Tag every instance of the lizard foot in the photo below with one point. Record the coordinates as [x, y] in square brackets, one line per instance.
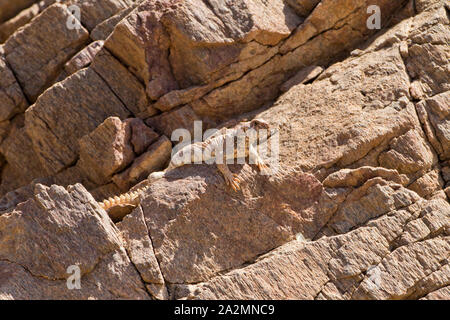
[263, 168]
[233, 181]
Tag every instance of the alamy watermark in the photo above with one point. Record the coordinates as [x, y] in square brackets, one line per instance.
[73, 21]
[374, 20]
[74, 280]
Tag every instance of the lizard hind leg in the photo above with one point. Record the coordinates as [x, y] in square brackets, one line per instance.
[230, 178]
[262, 167]
[156, 175]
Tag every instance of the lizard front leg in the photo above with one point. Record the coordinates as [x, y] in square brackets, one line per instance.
[253, 155]
[230, 178]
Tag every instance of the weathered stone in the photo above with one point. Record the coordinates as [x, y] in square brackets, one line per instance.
[434, 115]
[140, 249]
[408, 153]
[168, 122]
[373, 199]
[67, 112]
[304, 75]
[155, 158]
[126, 44]
[367, 261]
[5, 127]
[103, 30]
[411, 264]
[347, 116]
[362, 179]
[192, 245]
[45, 44]
[141, 135]
[22, 166]
[9, 9]
[81, 60]
[440, 294]
[303, 7]
[124, 84]
[55, 230]
[106, 150]
[95, 12]
[12, 99]
[357, 177]
[429, 54]
[428, 184]
[22, 18]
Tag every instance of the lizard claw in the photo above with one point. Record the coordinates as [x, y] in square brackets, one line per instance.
[263, 168]
[234, 182]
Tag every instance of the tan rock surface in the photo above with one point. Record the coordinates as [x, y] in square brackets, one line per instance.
[366, 263]
[11, 8]
[106, 150]
[155, 158]
[139, 247]
[80, 233]
[87, 101]
[357, 205]
[7, 28]
[12, 99]
[46, 44]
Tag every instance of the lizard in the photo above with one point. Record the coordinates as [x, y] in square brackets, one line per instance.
[213, 148]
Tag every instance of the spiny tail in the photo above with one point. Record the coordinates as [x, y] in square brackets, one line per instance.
[130, 198]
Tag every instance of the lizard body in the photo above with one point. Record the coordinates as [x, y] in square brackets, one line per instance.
[212, 150]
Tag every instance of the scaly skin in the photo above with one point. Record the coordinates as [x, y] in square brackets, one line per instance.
[211, 146]
[129, 198]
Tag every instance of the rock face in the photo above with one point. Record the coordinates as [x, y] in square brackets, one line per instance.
[357, 202]
[86, 238]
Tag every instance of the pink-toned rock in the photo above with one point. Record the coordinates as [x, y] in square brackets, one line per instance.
[357, 177]
[12, 99]
[428, 184]
[408, 153]
[45, 44]
[141, 135]
[140, 249]
[167, 123]
[65, 113]
[304, 75]
[81, 60]
[428, 56]
[362, 185]
[199, 227]
[123, 84]
[366, 263]
[434, 115]
[54, 230]
[9, 9]
[155, 158]
[106, 150]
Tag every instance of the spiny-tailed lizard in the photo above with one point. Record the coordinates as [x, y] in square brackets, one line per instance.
[206, 151]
